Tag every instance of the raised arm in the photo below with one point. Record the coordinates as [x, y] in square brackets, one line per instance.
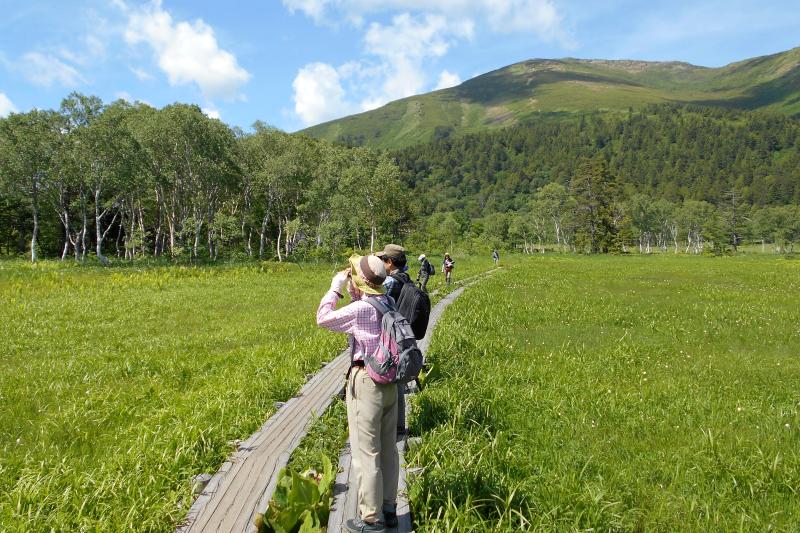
[340, 320]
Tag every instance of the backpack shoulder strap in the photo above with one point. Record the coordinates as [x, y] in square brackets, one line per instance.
[379, 306]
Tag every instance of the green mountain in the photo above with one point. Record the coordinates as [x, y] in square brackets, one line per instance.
[543, 89]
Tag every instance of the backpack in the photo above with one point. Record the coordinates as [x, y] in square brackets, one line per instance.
[397, 358]
[402, 279]
[429, 268]
[414, 304]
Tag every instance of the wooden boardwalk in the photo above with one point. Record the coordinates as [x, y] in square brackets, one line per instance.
[345, 492]
[244, 484]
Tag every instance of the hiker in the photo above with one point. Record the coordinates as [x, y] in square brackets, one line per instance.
[371, 407]
[495, 257]
[447, 267]
[412, 303]
[426, 270]
[394, 260]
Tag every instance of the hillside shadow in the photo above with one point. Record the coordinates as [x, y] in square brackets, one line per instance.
[784, 89]
[500, 87]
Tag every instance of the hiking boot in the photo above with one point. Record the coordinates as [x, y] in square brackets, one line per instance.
[390, 518]
[356, 525]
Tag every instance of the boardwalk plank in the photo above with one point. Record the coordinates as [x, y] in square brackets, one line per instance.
[244, 484]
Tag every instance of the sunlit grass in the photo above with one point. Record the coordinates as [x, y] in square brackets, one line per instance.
[615, 393]
[119, 385]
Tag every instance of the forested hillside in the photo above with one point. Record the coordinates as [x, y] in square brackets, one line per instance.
[669, 152]
[670, 173]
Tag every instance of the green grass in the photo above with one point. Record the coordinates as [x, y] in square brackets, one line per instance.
[122, 383]
[119, 385]
[632, 393]
[467, 265]
[568, 392]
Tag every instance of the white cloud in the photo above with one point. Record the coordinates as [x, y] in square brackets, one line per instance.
[313, 8]
[45, 70]
[447, 79]
[141, 74]
[187, 52]
[540, 17]
[6, 106]
[404, 46]
[123, 95]
[318, 93]
[211, 113]
[398, 53]
[95, 46]
[415, 37]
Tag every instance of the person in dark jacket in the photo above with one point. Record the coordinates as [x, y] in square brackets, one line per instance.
[425, 270]
[394, 259]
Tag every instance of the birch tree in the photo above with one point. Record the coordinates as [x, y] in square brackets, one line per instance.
[27, 145]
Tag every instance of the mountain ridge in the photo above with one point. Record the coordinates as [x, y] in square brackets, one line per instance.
[561, 88]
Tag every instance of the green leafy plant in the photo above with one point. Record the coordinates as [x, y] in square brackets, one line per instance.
[427, 375]
[301, 502]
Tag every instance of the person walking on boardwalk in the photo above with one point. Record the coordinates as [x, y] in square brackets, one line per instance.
[412, 303]
[371, 407]
[495, 257]
[447, 267]
[425, 272]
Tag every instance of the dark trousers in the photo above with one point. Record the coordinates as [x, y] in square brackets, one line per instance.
[423, 280]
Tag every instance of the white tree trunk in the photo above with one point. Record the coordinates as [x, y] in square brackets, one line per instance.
[278, 241]
[98, 226]
[35, 236]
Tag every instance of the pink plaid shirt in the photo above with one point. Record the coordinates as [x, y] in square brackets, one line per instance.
[358, 318]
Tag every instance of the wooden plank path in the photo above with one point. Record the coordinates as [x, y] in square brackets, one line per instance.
[244, 484]
[345, 491]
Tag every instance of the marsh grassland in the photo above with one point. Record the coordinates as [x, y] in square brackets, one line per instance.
[629, 393]
[120, 385]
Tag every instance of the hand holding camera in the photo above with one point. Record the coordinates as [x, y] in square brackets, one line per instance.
[340, 280]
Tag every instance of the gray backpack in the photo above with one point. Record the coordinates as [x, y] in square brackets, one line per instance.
[397, 359]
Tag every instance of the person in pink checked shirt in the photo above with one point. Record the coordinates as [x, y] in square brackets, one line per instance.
[371, 407]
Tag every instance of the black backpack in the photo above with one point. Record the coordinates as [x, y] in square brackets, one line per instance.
[414, 304]
[429, 268]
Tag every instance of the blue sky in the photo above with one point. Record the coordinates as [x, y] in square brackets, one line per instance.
[293, 63]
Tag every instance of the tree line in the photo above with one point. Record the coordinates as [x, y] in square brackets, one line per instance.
[688, 178]
[132, 181]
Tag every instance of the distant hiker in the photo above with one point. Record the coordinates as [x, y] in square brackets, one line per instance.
[412, 302]
[426, 270]
[447, 267]
[371, 407]
[495, 257]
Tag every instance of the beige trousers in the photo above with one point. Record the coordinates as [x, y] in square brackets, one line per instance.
[372, 422]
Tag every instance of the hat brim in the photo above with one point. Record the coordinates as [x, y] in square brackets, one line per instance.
[358, 278]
